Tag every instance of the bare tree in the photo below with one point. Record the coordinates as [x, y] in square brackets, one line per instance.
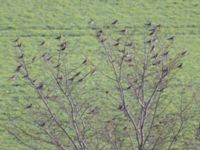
[58, 113]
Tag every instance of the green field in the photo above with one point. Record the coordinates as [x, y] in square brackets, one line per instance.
[37, 20]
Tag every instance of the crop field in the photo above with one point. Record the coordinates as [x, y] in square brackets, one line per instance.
[36, 20]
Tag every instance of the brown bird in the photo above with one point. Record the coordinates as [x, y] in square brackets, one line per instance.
[114, 22]
[29, 106]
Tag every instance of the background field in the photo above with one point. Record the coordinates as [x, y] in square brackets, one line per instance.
[36, 20]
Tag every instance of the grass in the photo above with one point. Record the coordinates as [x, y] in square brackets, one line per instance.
[35, 20]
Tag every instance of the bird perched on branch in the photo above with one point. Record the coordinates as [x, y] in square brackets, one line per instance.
[29, 106]
[58, 37]
[114, 22]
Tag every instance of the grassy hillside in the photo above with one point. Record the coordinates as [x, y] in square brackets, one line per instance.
[36, 20]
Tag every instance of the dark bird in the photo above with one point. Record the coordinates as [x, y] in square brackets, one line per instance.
[123, 31]
[25, 76]
[183, 53]
[84, 61]
[42, 43]
[77, 74]
[16, 40]
[154, 56]
[21, 56]
[103, 40]
[165, 53]
[129, 87]
[118, 39]
[156, 63]
[63, 47]
[48, 58]
[106, 92]
[180, 65]
[29, 106]
[39, 86]
[116, 44]
[121, 107]
[171, 38]
[18, 68]
[114, 22]
[58, 37]
[80, 80]
[63, 44]
[152, 48]
[129, 44]
[148, 24]
[59, 78]
[42, 124]
[44, 54]
[57, 66]
[13, 77]
[33, 59]
[18, 45]
[148, 41]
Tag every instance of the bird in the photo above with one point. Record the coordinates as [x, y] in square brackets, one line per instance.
[39, 86]
[116, 44]
[148, 24]
[16, 40]
[183, 53]
[18, 45]
[171, 38]
[33, 59]
[18, 68]
[42, 43]
[58, 37]
[148, 41]
[129, 44]
[21, 56]
[156, 63]
[42, 124]
[106, 92]
[114, 22]
[152, 48]
[180, 65]
[84, 61]
[154, 56]
[165, 53]
[77, 74]
[123, 31]
[57, 66]
[29, 106]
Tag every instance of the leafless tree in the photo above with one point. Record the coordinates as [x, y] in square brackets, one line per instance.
[59, 113]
